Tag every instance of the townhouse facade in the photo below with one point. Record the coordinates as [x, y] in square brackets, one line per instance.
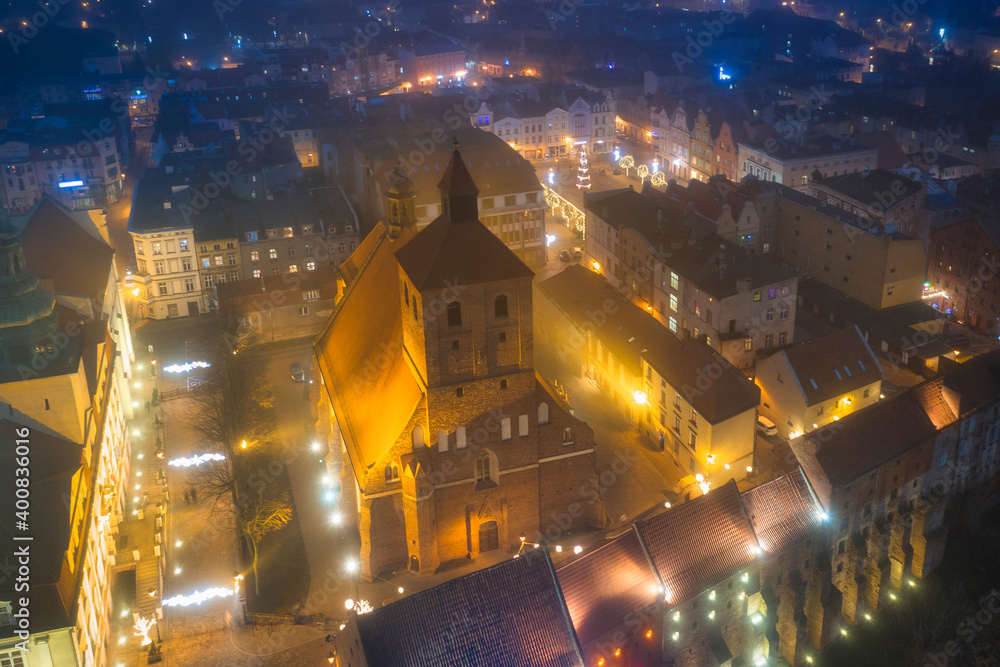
[652, 375]
[792, 164]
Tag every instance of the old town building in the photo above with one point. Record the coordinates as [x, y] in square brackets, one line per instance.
[474, 448]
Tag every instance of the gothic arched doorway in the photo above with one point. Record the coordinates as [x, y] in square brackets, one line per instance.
[489, 536]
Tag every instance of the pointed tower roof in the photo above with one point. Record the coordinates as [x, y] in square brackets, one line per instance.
[457, 248]
[457, 181]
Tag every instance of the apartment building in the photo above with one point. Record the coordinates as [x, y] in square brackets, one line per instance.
[888, 199]
[161, 223]
[840, 249]
[77, 167]
[742, 306]
[659, 380]
[819, 381]
[792, 164]
[433, 64]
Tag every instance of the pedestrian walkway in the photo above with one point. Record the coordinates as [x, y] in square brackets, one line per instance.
[634, 475]
[141, 536]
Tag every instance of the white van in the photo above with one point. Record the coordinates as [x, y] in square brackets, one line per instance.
[766, 426]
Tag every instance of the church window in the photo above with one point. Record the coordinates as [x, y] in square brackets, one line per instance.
[522, 426]
[391, 473]
[460, 392]
[505, 428]
[454, 314]
[442, 441]
[503, 384]
[460, 441]
[543, 413]
[418, 437]
[486, 467]
[500, 306]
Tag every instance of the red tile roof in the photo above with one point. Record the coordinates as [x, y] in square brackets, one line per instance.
[606, 585]
[699, 543]
[782, 512]
[508, 615]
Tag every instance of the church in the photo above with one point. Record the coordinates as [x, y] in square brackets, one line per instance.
[451, 444]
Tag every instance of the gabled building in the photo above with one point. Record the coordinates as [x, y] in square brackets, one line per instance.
[819, 381]
[679, 392]
[451, 445]
[65, 367]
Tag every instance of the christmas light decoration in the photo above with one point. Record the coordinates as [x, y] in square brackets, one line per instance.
[142, 628]
[187, 368]
[583, 172]
[195, 460]
[197, 597]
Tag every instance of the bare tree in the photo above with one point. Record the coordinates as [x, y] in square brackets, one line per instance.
[257, 515]
[235, 416]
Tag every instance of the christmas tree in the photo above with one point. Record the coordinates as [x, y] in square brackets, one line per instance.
[583, 172]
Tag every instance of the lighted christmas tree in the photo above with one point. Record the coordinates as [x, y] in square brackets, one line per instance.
[583, 172]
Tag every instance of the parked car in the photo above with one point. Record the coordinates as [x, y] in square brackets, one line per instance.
[564, 255]
[578, 253]
[766, 426]
[298, 375]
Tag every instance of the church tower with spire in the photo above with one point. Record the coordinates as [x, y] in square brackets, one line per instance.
[401, 206]
[456, 445]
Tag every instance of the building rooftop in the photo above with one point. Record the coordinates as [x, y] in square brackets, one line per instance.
[833, 365]
[509, 614]
[54, 464]
[605, 585]
[871, 186]
[816, 147]
[697, 544]
[78, 264]
[633, 335]
[494, 166]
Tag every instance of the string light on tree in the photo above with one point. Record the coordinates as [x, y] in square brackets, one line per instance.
[626, 163]
[658, 179]
[583, 172]
[642, 172]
